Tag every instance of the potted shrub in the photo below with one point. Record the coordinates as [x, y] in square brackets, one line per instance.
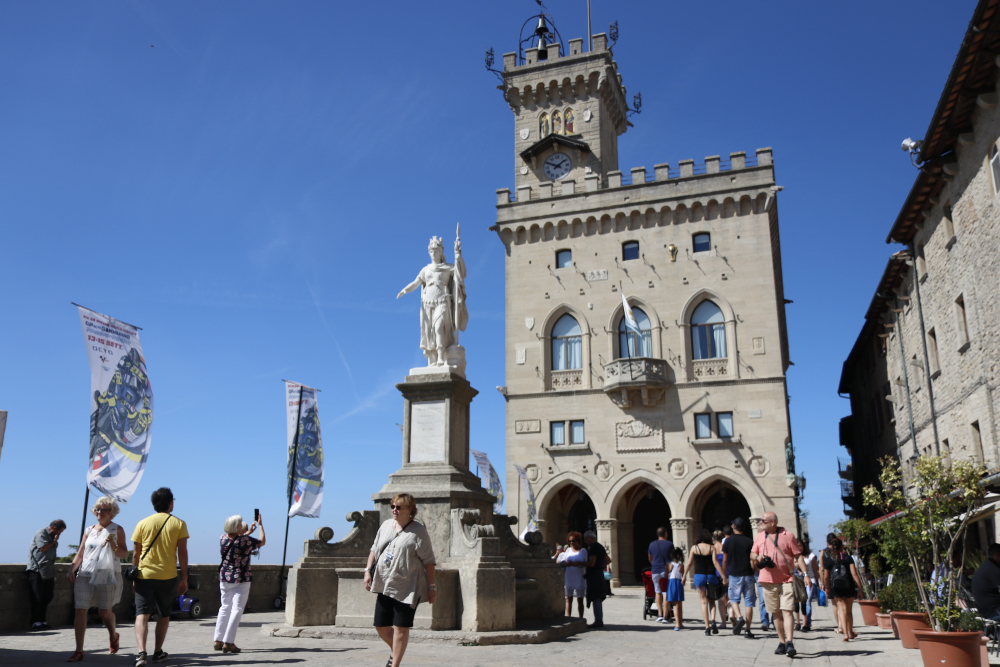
[901, 597]
[853, 532]
[932, 514]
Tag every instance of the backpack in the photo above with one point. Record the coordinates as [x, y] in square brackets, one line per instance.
[840, 576]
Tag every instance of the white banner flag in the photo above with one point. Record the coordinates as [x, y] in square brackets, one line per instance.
[531, 525]
[121, 405]
[486, 469]
[305, 451]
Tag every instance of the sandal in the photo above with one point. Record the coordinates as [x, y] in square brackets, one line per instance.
[231, 648]
[114, 643]
[76, 657]
[217, 646]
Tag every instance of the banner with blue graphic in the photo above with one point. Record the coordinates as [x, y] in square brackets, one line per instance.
[121, 405]
[488, 472]
[305, 451]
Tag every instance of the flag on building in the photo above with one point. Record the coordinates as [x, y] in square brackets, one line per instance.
[630, 321]
[486, 470]
[531, 525]
[305, 451]
[121, 405]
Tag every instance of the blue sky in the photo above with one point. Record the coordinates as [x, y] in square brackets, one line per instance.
[252, 183]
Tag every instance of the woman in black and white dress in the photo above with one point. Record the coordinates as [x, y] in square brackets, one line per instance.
[94, 586]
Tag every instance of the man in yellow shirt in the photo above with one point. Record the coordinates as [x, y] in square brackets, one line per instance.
[160, 548]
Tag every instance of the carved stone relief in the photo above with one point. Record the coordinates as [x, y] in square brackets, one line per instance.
[528, 426]
[678, 468]
[604, 471]
[758, 345]
[759, 466]
[534, 474]
[639, 435]
[520, 355]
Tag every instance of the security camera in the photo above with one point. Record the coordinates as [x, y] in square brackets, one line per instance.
[909, 145]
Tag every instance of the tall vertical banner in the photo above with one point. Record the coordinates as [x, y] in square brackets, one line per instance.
[486, 468]
[121, 405]
[531, 525]
[305, 451]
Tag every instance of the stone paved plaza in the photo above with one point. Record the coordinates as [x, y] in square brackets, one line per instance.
[627, 640]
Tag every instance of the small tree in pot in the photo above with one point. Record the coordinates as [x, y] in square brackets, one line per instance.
[930, 520]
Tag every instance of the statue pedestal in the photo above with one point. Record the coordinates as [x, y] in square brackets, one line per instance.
[455, 356]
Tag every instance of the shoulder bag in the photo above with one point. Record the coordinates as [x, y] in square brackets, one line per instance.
[385, 546]
[798, 586]
[131, 573]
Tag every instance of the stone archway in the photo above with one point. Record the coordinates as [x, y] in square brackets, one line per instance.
[651, 512]
[569, 508]
[718, 504]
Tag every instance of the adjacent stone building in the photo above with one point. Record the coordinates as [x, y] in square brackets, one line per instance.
[935, 318]
[685, 422]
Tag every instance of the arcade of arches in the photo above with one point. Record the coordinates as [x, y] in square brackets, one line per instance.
[639, 512]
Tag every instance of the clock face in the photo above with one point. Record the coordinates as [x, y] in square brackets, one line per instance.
[557, 165]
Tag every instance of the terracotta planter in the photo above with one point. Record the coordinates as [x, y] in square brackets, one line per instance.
[984, 651]
[884, 621]
[906, 623]
[950, 649]
[869, 608]
[895, 629]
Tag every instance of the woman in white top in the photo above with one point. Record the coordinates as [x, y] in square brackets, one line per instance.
[574, 559]
[97, 581]
[401, 571]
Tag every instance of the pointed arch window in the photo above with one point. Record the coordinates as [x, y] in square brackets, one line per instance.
[632, 344]
[543, 126]
[569, 117]
[556, 122]
[708, 332]
[567, 344]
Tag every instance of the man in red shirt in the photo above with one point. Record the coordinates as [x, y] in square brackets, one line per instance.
[773, 554]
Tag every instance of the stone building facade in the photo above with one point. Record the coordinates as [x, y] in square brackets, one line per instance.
[937, 309]
[684, 423]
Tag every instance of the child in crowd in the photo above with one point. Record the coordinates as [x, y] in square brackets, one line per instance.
[675, 586]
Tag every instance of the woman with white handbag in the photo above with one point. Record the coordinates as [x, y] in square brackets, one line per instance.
[96, 573]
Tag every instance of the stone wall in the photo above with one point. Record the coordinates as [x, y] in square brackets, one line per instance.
[15, 604]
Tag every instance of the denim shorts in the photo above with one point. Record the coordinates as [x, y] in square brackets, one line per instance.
[743, 586]
[703, 580]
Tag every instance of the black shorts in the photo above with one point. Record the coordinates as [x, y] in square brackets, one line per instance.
[393, 612]
[155, 596]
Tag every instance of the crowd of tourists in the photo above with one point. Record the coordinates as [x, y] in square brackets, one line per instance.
[733, 574]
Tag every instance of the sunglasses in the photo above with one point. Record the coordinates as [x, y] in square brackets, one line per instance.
[399, 507]
[101, 510]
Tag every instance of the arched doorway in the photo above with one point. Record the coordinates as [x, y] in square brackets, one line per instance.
[651, 512]
[720, 504]
[568, 510]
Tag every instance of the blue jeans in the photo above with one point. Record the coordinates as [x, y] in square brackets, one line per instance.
[598, 606]
[765, 620]
[812, 593]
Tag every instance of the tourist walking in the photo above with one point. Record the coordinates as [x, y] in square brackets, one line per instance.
[96, 573]
[774, 552]
[675, 586]
[400, 571]
[742, 583]
[159, 549]
[574, 560]
[718, 538]
[707, 572]
[235, 547]
[42, 571]
[811, 582]
[841, 582]
[659, 555]
[597, 560]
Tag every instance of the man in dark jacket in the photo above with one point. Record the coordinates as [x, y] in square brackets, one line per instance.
[42, 571]
[986, 584]
[597, 560]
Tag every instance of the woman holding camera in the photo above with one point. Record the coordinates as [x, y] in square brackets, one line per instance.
[234, 579]
[400, 571]
[97, 582]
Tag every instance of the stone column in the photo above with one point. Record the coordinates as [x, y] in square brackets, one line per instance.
[607, 534]
[681, 527]
[624, 566]
[754, 527]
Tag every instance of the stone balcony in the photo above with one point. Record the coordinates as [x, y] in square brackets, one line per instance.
[705, 370]
[640, 378]
[567, 380]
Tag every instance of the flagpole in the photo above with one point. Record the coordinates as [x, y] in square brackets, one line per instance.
[282, 577]
[83, 524]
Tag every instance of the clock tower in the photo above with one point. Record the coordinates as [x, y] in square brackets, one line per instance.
[646, 346]
[569, 110]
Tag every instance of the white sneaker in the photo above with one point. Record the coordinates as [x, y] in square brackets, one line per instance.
[660, 619]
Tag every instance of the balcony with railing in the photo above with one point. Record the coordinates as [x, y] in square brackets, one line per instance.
[640, 378]
[846, 490]
[567, 380]
[846, 468]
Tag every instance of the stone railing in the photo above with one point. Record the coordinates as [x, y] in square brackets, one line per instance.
[641, 378]
[710, 369]
[563, 380]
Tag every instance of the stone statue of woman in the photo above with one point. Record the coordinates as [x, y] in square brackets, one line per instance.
[443, 311]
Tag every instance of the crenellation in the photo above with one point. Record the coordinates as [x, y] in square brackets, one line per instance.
[638, 175]
[600, 42]
[712, 164]
[687, 168]
[576, 46]
[764, 157]
[615, 179]
[738, 160]
[662, 171]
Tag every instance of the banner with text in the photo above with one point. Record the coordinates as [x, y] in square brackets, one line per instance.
[531, 525]
[305, 451]
[121, 405]
[486, 469]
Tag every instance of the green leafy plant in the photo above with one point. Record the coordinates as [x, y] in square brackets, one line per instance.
[932, 511]
[900, 595]
[969, 622]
